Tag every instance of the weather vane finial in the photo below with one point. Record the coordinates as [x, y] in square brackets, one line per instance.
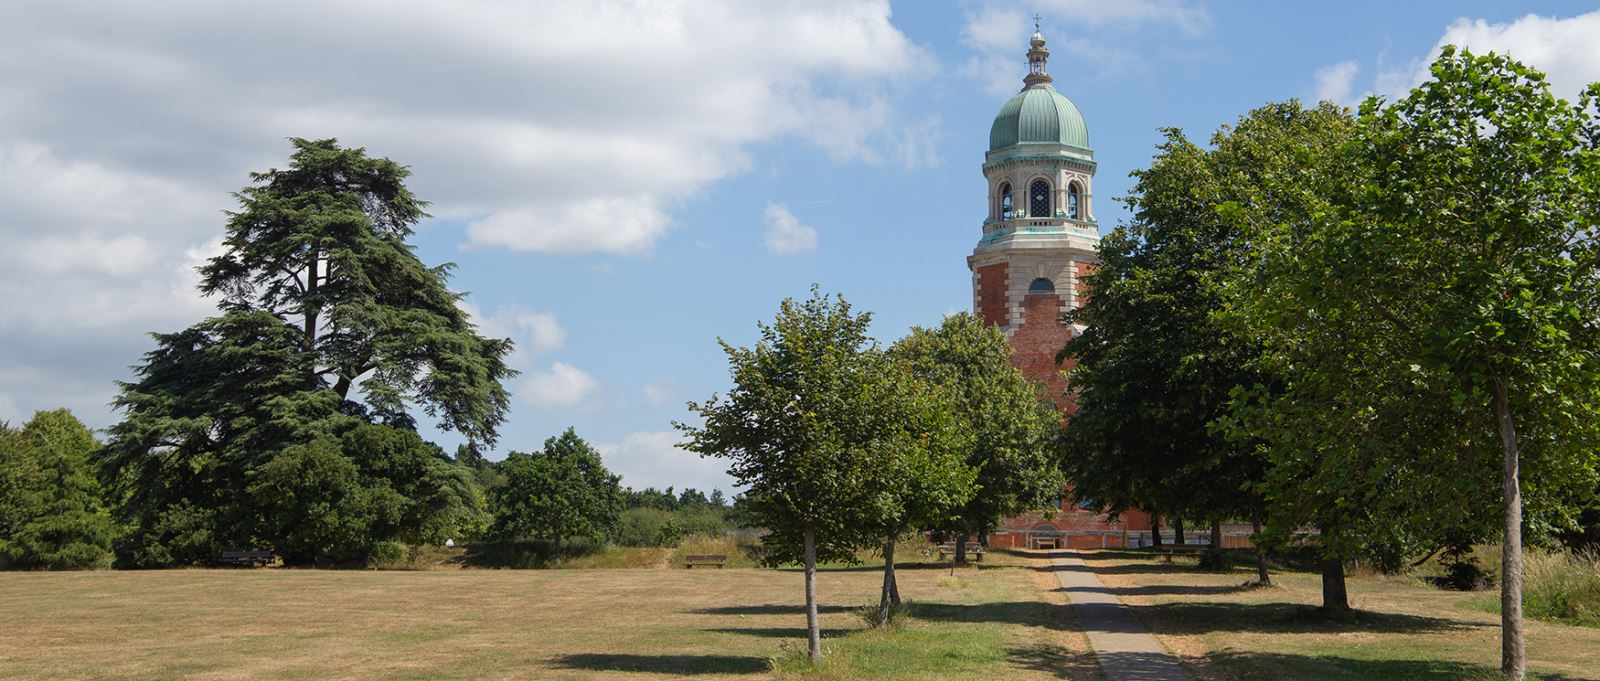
[1036, 22]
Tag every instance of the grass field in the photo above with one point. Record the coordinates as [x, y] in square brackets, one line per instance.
[1404, 632]
[542, 624]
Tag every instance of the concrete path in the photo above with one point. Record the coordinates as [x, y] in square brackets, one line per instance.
[1127, 651]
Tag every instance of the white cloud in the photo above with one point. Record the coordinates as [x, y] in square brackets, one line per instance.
[621, 226]
[998, 32]
[1334, 82]
[786, 234]
[1566, 50]
[553, 127]
[656, 394]
[652, 459]
[533, 332]
[563, 385]
[556, 127]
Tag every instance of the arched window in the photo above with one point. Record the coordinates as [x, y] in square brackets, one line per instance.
[1072, 202]
[1042, 285]
[1039, 199]
[1005, 201]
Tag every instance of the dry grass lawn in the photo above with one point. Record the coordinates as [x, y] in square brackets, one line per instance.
[541, 624]
[1405, 631]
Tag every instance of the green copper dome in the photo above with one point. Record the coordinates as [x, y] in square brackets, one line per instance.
[1038, 114]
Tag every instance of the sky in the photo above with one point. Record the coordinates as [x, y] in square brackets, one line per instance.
[621, 184]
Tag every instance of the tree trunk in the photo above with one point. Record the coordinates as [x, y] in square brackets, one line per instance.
[1334, 596]
[961, 547]
[310, 308]
[1513, 661]
[1262, 577]
[1216, 535]
[1177, 531]
[557, 555]
[813, 635]
[891, 590]
[1155, 530]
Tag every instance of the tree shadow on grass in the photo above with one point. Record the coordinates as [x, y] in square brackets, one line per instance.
[1336, 668]
[1029, 613]
[873, 567]
[1131, 569]
[1054, 660]
[692, 665]
[770, 609]
[1288, 618]
[778, 632]
[1176, 590]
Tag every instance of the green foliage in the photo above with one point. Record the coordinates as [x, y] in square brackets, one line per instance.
[1007, 425]
[324, 241]
[560, 493]
[1563, 587]
[319, 293]
[648, 527]
[1459, 231]
[800, 430]
[52, 514]
[386, 554]
[313, 504]
[1162, 354]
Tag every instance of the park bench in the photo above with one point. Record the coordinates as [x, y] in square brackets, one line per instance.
[1185, 549]
[248, 558]
[949, 549]
[704, 560]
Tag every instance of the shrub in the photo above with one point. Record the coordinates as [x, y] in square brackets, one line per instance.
[647, 527]
[1215, 560]
[315, 508]
[1462, 571]
[386, 554]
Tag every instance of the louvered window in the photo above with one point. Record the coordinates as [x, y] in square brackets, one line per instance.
[1039, 199]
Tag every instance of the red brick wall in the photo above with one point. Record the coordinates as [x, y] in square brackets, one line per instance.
[1036, 342]
[992, 293]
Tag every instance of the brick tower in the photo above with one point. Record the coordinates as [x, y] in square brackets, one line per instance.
[1039, 240]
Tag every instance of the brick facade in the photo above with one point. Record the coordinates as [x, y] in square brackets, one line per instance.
[1035, 343]
[989, 292]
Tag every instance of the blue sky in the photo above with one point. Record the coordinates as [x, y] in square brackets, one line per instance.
[622, 184]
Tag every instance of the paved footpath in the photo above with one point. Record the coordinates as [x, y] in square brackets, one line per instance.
[1127, 651]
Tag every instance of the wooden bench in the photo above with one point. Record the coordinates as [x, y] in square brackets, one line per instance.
[704, 560]
[974, 550]
[246, 558]
[1185, 549]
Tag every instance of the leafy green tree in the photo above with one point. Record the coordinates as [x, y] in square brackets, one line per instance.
[323, 242]
[557, 494]
[315, 507]
[795, 428]
[1161, 356]
[328, 321]
[922, 481]
[1461, 249]
[1011, 426]
[441, 500]
[52, 514]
